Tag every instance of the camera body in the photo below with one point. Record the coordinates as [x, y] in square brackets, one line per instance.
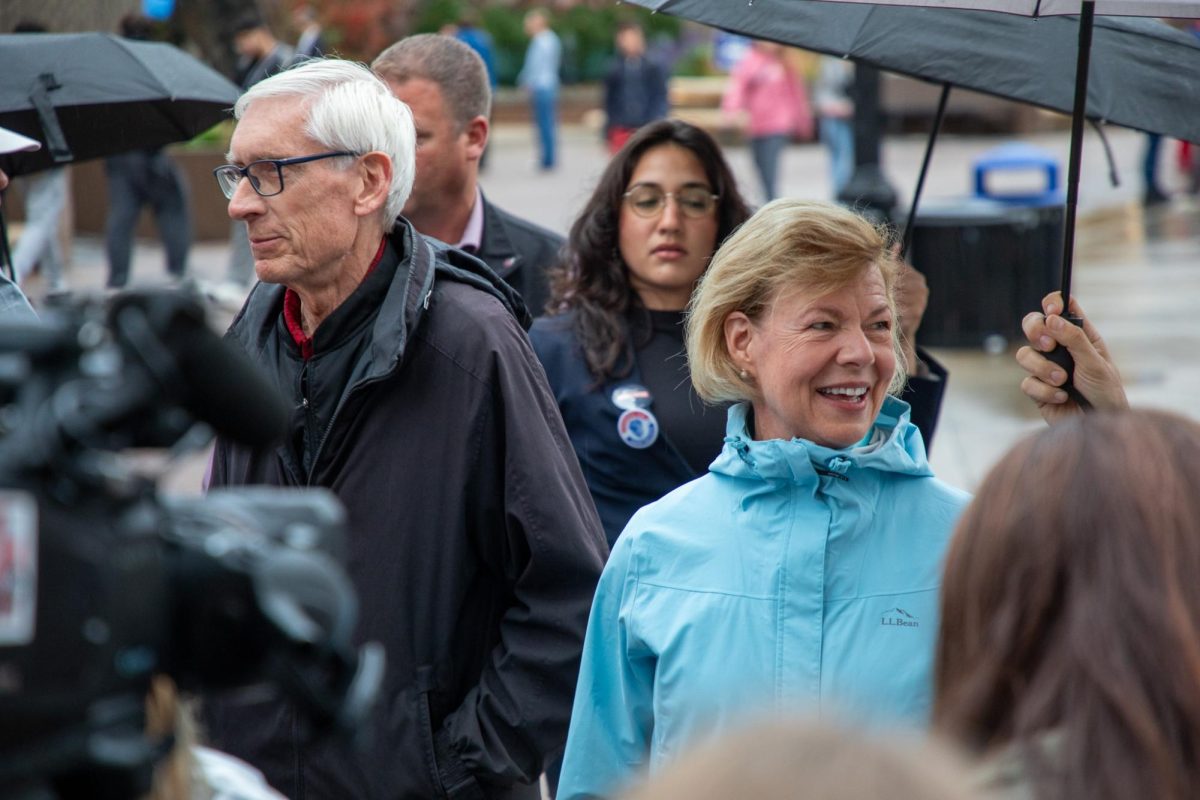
[105, 583]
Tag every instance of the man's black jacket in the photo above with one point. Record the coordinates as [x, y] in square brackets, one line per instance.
[520, 253]
[473, 542]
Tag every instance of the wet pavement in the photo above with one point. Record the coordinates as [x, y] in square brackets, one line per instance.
[1137, 272]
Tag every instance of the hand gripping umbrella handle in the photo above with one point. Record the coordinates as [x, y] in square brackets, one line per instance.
[1062, 358]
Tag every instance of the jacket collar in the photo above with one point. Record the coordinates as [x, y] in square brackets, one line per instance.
[402, 306]
[495, 247]
[895, 447]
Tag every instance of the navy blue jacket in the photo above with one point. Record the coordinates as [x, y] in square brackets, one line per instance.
[635, 93]
[621, 478]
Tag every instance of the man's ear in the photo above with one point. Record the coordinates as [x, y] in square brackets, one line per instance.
[375, 169]
[476, 132]
[739, 341]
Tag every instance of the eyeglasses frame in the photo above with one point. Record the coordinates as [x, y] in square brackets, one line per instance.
[716, 198]
[280, 163]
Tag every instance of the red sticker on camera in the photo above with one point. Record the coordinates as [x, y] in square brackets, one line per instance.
[18, 567]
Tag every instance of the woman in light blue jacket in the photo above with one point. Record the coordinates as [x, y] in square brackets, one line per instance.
[801, 573]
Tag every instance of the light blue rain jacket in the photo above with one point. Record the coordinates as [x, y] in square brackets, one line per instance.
[792, 577]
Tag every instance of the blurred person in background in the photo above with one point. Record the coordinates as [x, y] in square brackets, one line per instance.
[635, 87]
[792, 760]
[768, 100]
[311, 40]
[143, 178]
[1069, 654]
[40, 245]
[445, 84]
[13, 303]
[835, 117]
[801, 572]
[468, 30]
[539, 77]
[260, 55]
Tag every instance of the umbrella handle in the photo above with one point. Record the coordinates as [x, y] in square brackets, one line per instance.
[1062, 358]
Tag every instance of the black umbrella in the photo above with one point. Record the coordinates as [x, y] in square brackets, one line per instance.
[1145, 74]
[87, 95]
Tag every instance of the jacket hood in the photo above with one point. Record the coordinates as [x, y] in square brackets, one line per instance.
[422, 261]
[893, 445]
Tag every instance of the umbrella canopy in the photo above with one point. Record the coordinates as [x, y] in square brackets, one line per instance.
[1144, 74]
[1047, 8]
[87, 95]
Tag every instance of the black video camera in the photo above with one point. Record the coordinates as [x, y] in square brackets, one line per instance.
[104, 583]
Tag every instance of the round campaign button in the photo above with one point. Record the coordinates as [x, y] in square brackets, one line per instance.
[631, 395]
[637, 428]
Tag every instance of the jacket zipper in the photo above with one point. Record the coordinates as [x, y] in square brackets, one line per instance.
[333, 419]
[426, 251]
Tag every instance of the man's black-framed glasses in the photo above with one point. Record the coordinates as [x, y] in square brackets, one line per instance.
[266, 176]
[648, 200]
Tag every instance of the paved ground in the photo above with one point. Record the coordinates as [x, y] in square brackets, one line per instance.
[1137, 274]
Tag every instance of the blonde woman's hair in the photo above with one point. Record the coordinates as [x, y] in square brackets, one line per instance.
[788, 245]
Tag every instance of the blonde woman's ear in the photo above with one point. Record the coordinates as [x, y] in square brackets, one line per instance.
[739, 332]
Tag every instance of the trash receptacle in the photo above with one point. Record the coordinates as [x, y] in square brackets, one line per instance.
[990, 259]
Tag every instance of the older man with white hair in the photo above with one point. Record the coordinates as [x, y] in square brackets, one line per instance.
[473, 542]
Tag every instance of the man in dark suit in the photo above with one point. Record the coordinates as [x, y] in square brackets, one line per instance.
[445, 83]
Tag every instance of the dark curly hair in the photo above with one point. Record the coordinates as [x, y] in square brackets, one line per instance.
[593, 280]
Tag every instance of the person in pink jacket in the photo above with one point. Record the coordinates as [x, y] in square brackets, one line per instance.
[767, 96]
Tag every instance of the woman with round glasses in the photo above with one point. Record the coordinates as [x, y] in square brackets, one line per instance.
[613, 344]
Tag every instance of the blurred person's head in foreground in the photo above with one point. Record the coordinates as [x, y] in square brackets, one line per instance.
[799, 761]
[190, 771]
[665, 202]
[1070, 639]
[796, 316]
[328, 153]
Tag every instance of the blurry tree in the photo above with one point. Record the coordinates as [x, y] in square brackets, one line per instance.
[361, 29]
[586, 30]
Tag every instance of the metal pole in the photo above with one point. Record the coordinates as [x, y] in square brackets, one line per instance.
[6, 263]
[910, 225]
[1086, 21]
[868, 190]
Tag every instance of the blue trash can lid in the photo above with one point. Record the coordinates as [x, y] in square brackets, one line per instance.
[1015, 154]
